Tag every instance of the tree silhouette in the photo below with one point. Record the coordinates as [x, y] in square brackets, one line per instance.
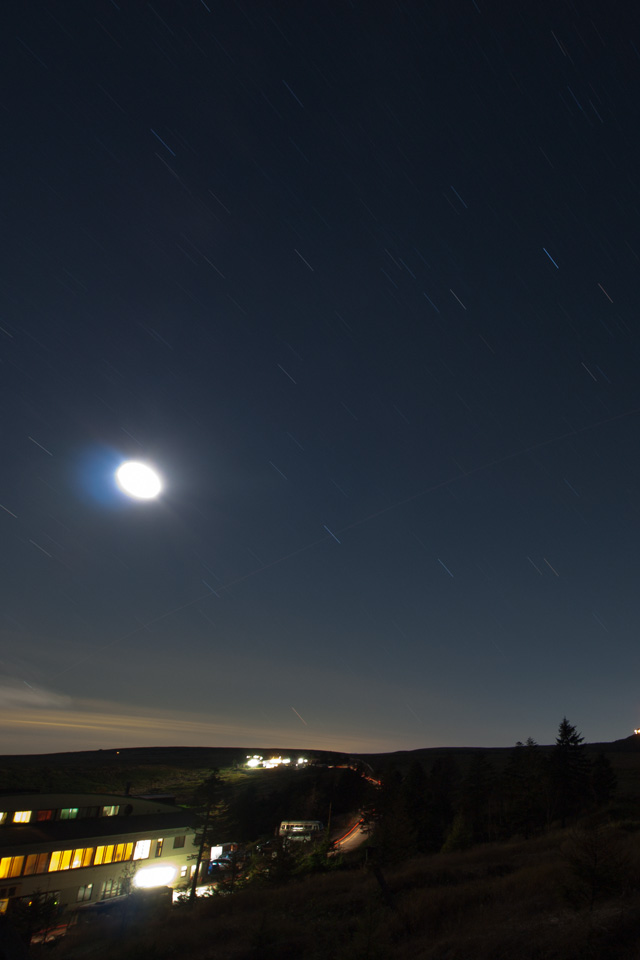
[524, 791]
[212, 817]
[443, 788]
[415, 802]
[599, 863]
[387, 819]
[568, 773]
[477, 798]
[603, 780]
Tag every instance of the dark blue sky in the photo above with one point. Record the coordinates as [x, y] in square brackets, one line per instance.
[361, 280]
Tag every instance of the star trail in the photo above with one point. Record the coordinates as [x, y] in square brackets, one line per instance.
[359, 281]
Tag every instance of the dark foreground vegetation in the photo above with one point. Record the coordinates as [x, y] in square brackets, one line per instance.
[532, 856]
[568, 895]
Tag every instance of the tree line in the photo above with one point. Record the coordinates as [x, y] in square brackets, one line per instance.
[444, 809]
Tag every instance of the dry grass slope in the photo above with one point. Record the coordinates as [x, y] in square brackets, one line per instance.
[564, 896]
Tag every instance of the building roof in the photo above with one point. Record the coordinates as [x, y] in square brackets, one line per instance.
[55, 801]
[146, 818]
[93, 829]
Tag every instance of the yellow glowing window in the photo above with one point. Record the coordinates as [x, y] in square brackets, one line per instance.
[111, 811]
[104, 854]
[142, 850]
[22, 816]
[81, 857]
[60, 860]
[3, 906]
[3, 816]
[11, 866]
[123, 851]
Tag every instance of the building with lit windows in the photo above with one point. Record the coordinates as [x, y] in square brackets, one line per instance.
[85, 849]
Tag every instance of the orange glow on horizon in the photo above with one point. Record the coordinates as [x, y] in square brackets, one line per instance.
[92, 725]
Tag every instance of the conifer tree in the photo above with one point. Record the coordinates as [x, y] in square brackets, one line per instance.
[414, 798]
[603, 780]
[442, 795]
[212, 817]
[568, 773]
[388, 820]
[477, 795]
[524, 790]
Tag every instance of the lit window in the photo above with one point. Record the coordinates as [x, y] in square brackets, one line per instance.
[69, 813]
[183, 871]
[11, 866]
[159, 846]
[110, 811]
[178, 842]
[44, 815]
[84, 893]
[81, 857]
[123, 851]
[22, 816]
[60, 860]
[142, 850]
[3, 816]
[104, 855]
[3, 906]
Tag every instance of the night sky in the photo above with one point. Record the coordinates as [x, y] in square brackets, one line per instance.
[360, 279]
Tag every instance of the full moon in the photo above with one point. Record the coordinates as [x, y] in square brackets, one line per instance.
[138, 480]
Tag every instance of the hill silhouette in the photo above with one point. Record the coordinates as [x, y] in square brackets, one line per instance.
[140, 769]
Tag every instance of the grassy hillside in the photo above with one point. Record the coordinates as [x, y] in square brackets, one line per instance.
[174, 770]
[569, 895]
[177, 770]
[559, 895]
[255, 801]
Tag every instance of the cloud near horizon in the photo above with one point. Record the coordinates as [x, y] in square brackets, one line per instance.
[19, 695]
[47, 723]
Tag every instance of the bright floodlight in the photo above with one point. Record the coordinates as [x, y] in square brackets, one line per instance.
[138, 480]
[154, 877]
